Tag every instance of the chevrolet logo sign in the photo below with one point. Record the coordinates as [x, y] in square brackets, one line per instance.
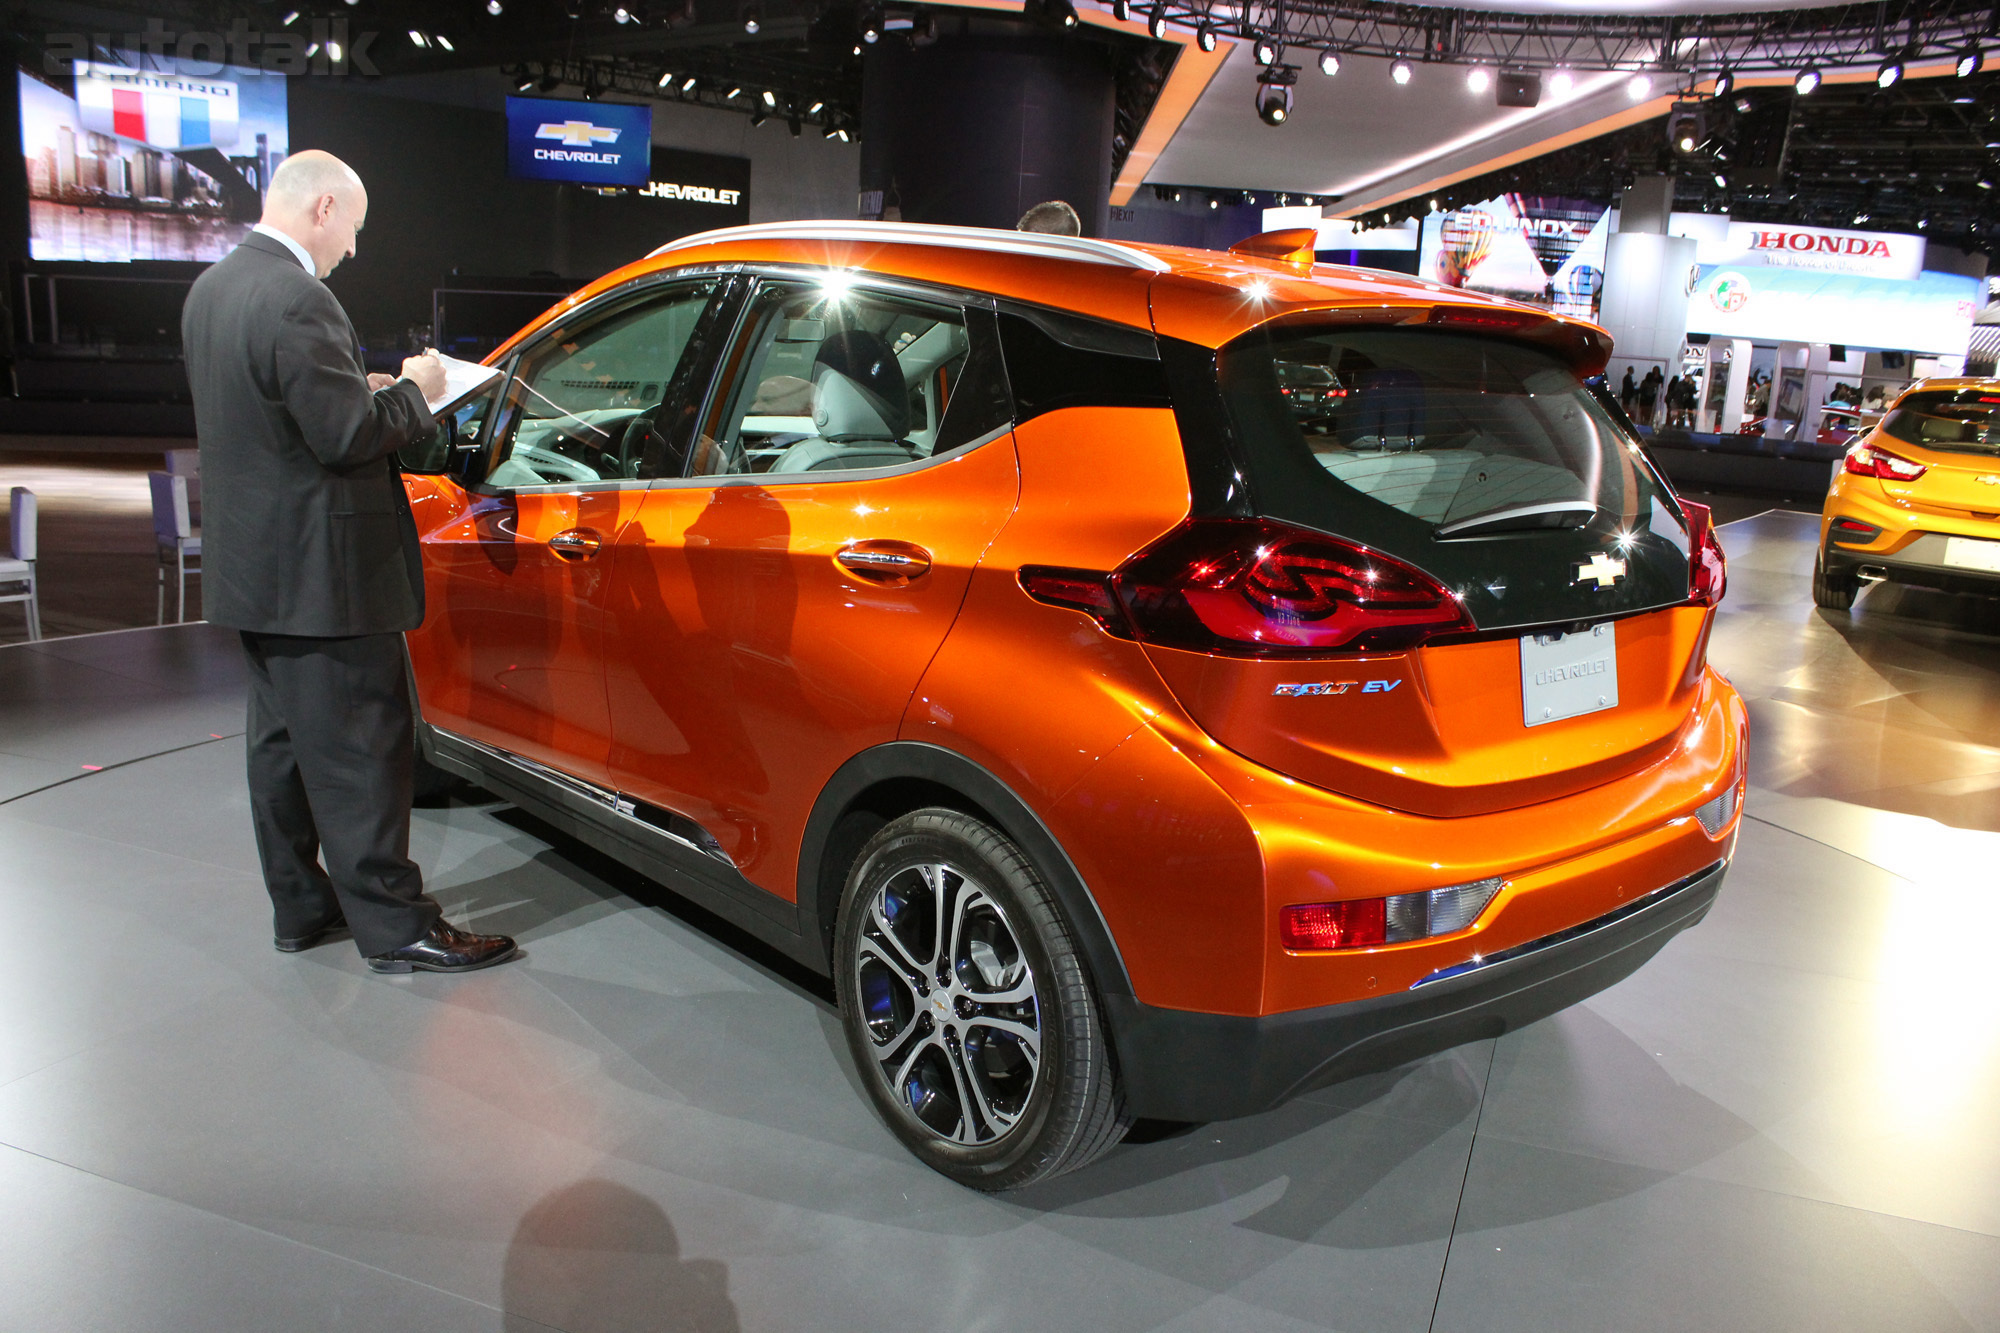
[1602, 568]
[578, 133]
[1990, 480]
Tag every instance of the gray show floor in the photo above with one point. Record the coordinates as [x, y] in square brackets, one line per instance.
[1784, 1121]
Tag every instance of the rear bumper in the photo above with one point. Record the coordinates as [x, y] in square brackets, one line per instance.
[1180, 1065]
[1921, 562]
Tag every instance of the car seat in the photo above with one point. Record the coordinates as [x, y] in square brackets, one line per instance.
[861, 408]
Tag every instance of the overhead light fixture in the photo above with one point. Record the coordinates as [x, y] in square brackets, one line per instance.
[815, 108]
[524, 80]
[1684, 127]
[1985, 182]
[871, 28]
[753, 22]
[1969, 63]
[622, 14]
[1274, 94]
[1807, 81]
[1400, 71]
[758, 117]
[690, 83]
[842, 135]
[1156, 23]
[1063, 12]
[1213, 202]
[735, 90]
[333, 51]
[770, 98]
[1889, 74]
[1329, 62]
[445, 42]
[1725, 83]
[1479, 78]
[1860, 218]
[1265, 50]
[494, 7]
[1561, 84]
[290, 18]
[1721, 181]
[1743, 106]
[666, 78]
[1639, 87]
[417, 39]
[1204, 36]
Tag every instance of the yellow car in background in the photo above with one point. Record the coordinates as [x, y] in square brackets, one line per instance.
[1917, 499]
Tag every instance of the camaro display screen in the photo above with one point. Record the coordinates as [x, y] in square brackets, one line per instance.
[148, 157]
[588, 143]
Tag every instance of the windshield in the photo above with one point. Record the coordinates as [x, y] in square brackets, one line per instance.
[1485, 462]
[1958, 421]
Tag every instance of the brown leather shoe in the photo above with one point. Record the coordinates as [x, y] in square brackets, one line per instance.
[445, 948]
[300, 943]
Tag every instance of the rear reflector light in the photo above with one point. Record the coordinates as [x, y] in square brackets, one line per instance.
[1486, 317]
[1866, 460]
[1358, 923]
[1708, 572]
[1854, 530]
[1716, 814]
[1257, 588]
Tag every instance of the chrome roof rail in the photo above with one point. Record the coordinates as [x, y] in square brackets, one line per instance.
[1040, 245]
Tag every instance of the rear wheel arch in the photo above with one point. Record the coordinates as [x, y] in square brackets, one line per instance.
[891, 780]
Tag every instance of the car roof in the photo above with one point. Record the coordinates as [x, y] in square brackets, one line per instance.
[1206, 297]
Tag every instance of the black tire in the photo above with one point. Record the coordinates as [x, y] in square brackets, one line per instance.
[994, 1093]
[1833, 589]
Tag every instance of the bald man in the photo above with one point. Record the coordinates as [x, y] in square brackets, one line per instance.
[310, 553]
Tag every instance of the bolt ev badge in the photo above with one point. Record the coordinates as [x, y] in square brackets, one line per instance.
[1336, 687]
[1601, 567]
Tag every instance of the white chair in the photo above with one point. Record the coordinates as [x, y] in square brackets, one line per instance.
[175, 538]
[17, 575]
[184, 462]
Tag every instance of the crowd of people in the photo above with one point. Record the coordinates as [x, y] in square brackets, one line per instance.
[1661, 400]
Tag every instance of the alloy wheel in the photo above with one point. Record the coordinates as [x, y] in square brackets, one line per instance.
[948, 1001]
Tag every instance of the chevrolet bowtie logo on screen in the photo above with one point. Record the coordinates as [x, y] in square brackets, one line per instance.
[589, 143]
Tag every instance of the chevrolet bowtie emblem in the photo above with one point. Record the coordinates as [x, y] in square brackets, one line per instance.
[1991, 481]
[578, 133]
[1602, 568]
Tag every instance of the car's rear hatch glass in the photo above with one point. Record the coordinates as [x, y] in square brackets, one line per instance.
[1487, 464]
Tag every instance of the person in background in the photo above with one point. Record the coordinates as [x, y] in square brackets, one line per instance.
[1649, 396]
[1053, 217]
[311, 555]
[1672, 402]
[1628, 396]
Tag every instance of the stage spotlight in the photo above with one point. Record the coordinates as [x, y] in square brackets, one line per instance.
[494, 7]
[735, 91]
[1156, 23]
[1329, 62]
[815, 108]
[1064, 14]
[666, 77]
[622, 14]
[1400, 71]
[1639, 87]
[871, 27]
[770, 98]
[1807, 81]
[753, 22]
[1274, 94]
[1969, 63]
[1684, 128]
[1479, 78]
[690, 83]
[290, 18]
[1890, 74]
[1985, 182]
[758, 117]
[1213, 202]
[524, 80]
[1725, 81]
[445, 42]
[1204, 36]
[1561, 84]
[1265, 50]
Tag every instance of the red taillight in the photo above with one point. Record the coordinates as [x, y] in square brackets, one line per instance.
[1708, 572]
[1085, 590]
[1866, 460]
[1265, 589]
[1487, 317]
[1354, 924]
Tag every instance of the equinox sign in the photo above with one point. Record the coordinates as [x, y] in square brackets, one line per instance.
[578, 133]
[1601, 567]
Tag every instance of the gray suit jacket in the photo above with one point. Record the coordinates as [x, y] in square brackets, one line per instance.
[305, 525]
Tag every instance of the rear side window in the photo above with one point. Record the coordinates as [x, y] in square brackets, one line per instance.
[1955, 420]
[1485, 462]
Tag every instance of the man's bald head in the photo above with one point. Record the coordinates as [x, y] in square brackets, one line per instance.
[318, 201]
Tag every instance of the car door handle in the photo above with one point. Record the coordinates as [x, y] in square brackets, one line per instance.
[576, 544]
[893, 564]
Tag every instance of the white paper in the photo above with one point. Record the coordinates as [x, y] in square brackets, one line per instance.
[462, 379]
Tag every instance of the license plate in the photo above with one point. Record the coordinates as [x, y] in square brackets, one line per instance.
[1972, 553]
[1568, 675]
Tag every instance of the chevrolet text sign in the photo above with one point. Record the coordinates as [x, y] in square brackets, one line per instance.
[693, 192]
[589, 143]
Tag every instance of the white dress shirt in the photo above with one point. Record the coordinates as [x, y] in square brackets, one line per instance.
[290, 244]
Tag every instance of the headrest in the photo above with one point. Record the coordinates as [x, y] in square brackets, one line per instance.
[858, 389]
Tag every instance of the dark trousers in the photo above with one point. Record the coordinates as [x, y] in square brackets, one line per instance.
[330, 744]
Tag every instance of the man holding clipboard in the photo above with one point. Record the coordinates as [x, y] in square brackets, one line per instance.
[310, 552]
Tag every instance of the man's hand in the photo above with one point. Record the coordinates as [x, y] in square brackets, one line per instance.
[426, 372]
[378, 382]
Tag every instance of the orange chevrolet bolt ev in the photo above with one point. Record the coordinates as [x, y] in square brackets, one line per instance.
[1150, 682]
